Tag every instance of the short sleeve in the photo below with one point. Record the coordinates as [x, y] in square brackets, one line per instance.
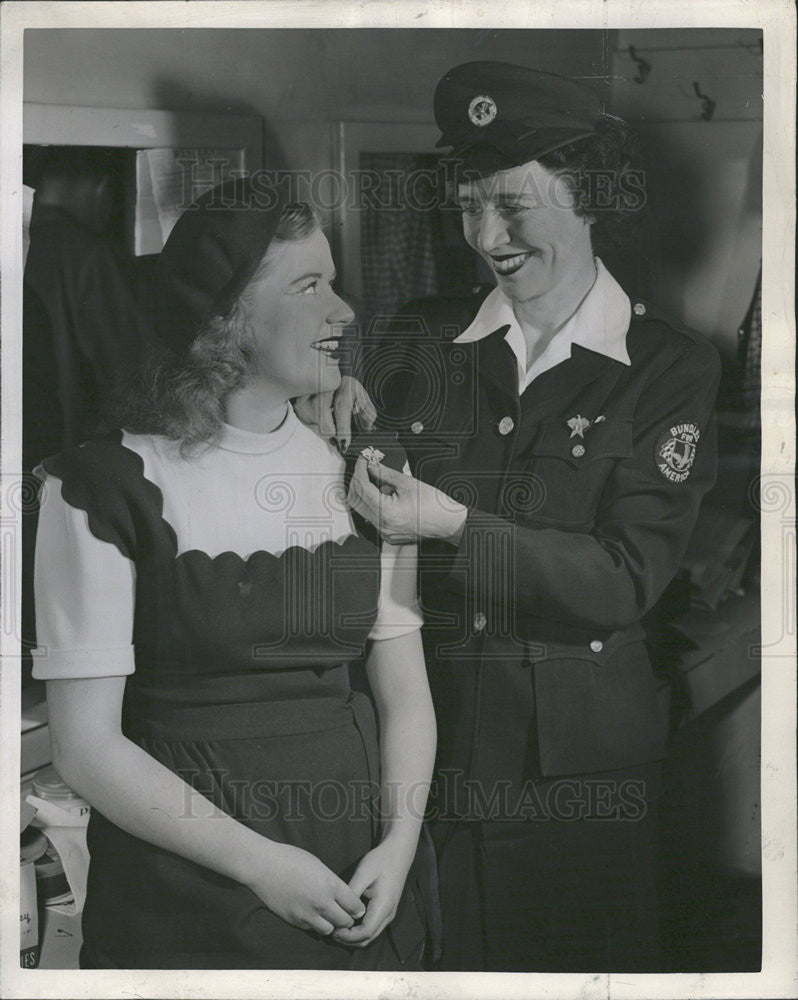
[84, 596]
[398, 610]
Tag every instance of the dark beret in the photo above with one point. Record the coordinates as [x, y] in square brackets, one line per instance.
[497, 115]
[211, 254]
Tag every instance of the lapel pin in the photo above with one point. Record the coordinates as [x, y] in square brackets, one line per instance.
[578, 425]
[373, 456]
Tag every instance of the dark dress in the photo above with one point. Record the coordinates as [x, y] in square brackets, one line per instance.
[241, 687]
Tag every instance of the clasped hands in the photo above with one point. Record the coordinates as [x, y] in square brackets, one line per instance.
[301, 889]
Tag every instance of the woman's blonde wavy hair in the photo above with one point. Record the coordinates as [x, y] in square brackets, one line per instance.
[184, 398]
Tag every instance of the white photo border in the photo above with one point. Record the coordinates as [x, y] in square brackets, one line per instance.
[777, 19]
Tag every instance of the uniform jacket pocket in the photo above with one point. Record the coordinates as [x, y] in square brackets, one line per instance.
[572, 467]
[597, 708]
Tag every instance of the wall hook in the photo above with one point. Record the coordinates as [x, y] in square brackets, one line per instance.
[707, 104]
[643, 67]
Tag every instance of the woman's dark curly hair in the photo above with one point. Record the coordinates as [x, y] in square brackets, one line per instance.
[606, 178]
[184, 398]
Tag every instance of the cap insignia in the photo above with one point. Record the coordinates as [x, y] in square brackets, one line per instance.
[482, 110]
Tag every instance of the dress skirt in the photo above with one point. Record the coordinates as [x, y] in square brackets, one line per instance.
[303, 772]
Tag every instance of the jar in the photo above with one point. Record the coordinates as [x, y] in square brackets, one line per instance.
[48, 785]
[32, 846]
[52, 886]
[51, 880]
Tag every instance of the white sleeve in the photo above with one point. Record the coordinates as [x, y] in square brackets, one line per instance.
[84, 592]
[398, 610]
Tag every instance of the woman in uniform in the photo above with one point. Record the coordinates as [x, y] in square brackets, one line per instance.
[561, 439]
[201, 589]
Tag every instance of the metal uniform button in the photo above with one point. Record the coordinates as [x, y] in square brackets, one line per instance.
[480, 621]
[506, 424]
[578, 450]
[639, 309]
[416, 427]
[597, 645]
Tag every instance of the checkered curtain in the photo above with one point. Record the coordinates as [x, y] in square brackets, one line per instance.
[752, 363]
[400, 234]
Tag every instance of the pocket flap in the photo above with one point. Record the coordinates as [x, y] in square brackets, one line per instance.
[596, 648]
[610, 438]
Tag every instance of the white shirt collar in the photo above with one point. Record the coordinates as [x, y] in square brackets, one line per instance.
[600, 324]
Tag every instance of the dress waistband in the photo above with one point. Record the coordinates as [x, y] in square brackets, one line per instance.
[173, 723]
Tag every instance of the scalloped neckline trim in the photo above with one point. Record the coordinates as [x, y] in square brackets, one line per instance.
[80, 502]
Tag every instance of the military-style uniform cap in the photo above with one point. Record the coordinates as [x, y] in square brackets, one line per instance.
[210, 256]
[497, 115]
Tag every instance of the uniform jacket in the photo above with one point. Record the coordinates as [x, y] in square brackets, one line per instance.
[533, 639]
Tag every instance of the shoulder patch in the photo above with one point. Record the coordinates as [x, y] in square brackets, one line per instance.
[675, 450]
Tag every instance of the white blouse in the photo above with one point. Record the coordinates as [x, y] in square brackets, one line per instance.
[246, 493]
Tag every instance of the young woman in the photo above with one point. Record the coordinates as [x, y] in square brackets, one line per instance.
[201, 588]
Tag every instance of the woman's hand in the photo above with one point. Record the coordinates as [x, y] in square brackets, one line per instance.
[302, 890]
[330, 413]
[404, 509]
[380, 878]
[316, 412]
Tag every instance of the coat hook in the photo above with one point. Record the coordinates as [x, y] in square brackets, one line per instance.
[707, 104]
[643, 67]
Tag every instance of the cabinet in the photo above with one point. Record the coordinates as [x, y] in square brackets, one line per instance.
[172, 155]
